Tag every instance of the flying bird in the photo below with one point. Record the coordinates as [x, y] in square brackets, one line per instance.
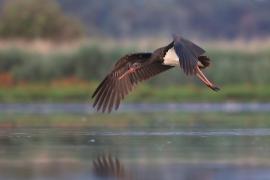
[134, 68]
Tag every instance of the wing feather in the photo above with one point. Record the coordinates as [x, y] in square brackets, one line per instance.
[188, 54]
[113, 89]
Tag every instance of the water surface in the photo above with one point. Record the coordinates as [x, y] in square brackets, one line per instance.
[197, 145]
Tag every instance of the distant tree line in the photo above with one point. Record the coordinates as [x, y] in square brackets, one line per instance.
[32, 19]
[205, 19]
[133, 18]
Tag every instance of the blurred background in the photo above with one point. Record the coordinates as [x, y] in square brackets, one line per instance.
[53, 54]
[48, 45]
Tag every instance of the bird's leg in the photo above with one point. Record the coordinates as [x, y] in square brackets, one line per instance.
[205, 80]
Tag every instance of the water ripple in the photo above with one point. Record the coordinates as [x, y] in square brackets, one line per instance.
[229, 132]
[47, 108]
[198, 133]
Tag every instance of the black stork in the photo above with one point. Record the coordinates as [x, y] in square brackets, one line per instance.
[133, 68]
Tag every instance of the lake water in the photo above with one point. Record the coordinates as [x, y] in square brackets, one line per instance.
[164, 141]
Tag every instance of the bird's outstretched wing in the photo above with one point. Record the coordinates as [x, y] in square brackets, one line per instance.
[188, 54]
[115, 86]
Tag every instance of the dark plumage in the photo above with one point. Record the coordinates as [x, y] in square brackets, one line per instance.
[133, 68]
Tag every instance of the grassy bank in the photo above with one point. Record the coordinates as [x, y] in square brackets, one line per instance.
[70, 73]
[143, 93]
[91, 62]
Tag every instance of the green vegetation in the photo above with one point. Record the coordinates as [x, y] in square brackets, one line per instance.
[83, 63]
[31, 19]
[144, 93]
[65, 76]
[228, 67]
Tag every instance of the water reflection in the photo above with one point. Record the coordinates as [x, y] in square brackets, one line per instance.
[109, 167]
[106, 166]
[143, 146]
[233, 154]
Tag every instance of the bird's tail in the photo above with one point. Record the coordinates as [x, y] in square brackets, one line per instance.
[204, 62]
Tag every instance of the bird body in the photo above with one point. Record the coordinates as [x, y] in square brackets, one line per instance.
[133, 68]
[171, 58]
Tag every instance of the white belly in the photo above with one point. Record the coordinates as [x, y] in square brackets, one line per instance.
[171, 58]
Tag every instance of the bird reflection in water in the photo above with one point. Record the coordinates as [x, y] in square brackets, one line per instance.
[108, 167]
[111, 168]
